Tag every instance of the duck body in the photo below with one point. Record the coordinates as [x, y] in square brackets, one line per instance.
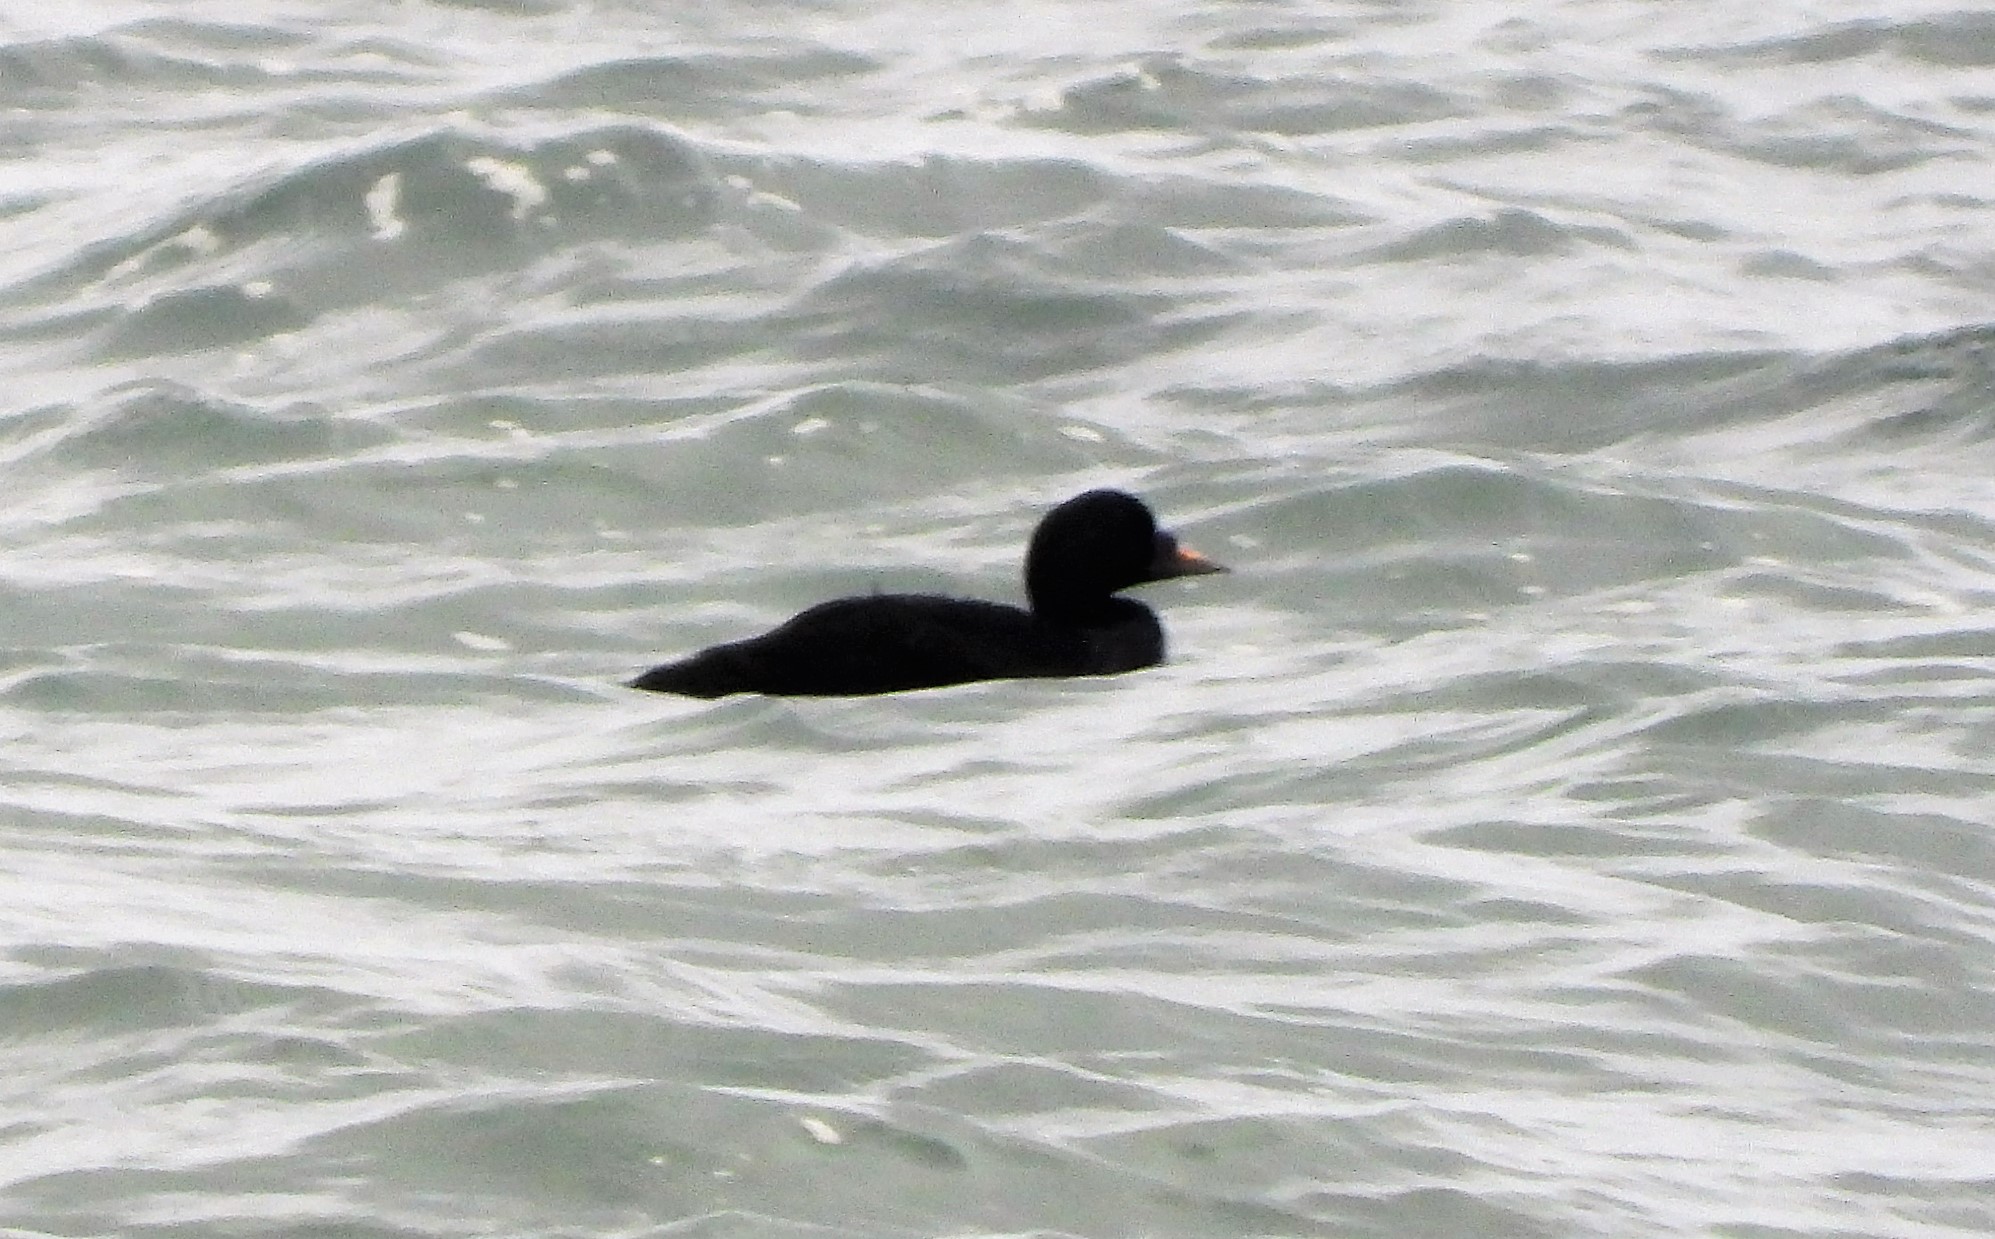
[1082, 553]
[891, 643]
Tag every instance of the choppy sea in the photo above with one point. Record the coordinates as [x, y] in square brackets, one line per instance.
[1574, 816]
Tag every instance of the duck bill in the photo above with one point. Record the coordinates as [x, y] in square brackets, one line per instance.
[1183, 561]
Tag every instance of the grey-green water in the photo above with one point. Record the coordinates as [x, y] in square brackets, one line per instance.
[1571, 818]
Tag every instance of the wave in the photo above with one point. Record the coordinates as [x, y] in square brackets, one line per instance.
[1179, 93]
[386, 220]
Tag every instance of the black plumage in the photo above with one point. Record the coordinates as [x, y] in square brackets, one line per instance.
[1082, 554]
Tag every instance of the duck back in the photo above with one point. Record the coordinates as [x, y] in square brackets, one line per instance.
[888, 643]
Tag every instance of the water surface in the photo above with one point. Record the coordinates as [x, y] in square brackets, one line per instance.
[1571, 817]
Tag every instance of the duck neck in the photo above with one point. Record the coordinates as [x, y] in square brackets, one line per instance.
[1064, 606]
